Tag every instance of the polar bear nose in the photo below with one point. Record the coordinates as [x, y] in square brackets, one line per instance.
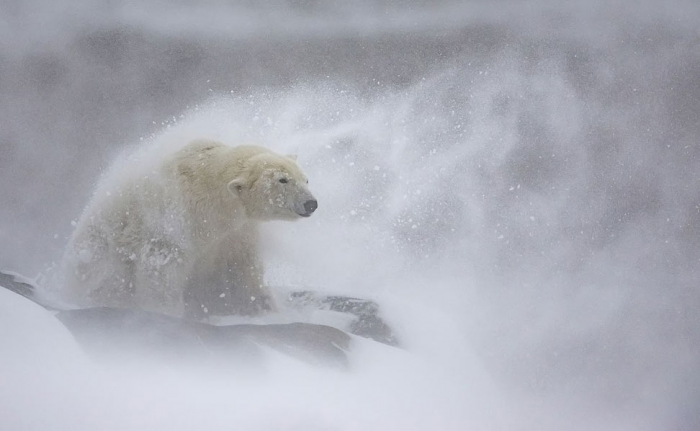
[310, 206]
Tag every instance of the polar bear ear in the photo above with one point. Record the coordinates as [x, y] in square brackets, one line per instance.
[235, 186]
[292, 156]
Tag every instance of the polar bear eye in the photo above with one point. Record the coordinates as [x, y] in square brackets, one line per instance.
[283, 180]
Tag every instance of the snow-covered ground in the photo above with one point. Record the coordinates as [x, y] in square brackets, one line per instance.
[515, 184]
[49, 383]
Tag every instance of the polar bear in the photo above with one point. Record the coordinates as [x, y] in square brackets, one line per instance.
[181, 237]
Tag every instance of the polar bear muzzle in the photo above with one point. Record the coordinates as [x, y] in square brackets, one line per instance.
[309, 207]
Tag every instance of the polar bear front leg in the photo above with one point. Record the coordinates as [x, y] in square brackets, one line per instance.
[227, 281]
[243, 290]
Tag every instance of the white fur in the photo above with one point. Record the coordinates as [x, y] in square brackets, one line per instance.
[181, 235]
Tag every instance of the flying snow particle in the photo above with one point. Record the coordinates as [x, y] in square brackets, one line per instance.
[85, 256]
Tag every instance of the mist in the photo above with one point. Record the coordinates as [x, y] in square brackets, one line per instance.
[516, 184]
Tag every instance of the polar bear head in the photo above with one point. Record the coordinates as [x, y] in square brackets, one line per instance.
[273, 187]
